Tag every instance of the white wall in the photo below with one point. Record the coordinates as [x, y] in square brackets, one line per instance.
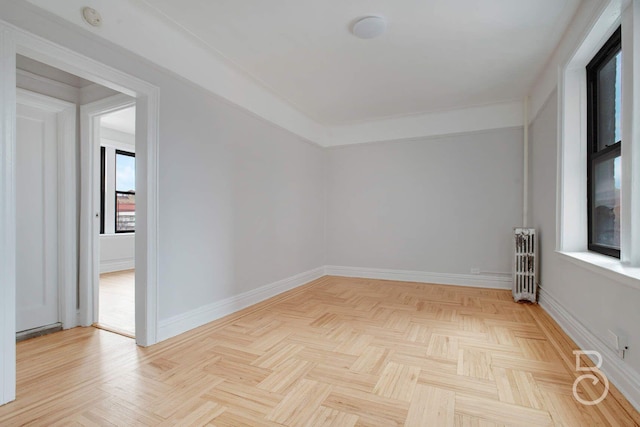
[241, 201]
[439, 205]
[117, 252]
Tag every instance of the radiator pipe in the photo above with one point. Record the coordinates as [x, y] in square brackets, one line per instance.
[525, 168]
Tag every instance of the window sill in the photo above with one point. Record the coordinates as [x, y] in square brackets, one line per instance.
[606, 266]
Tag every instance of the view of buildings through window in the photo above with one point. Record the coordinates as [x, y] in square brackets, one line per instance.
[125, 192]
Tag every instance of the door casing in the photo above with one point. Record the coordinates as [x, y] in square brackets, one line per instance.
[90, 149]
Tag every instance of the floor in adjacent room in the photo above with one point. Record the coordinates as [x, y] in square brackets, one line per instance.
[338, 351]
[116, 310]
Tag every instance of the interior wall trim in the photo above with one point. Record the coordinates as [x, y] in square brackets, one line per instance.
[493, 281]
[112, 266]
[184, 322]
[618, 373]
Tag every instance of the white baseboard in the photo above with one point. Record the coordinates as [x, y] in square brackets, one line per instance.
[117, 265]
[502, 281]
[617, 371]
[176, 325]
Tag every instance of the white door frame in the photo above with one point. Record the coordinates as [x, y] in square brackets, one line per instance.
[90, 159]
[66, 200]
[14, 40]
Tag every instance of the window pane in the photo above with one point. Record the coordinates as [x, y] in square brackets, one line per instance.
[606, 203]
[125, 192]
[125, 212]
[125, 172]
[609, 102]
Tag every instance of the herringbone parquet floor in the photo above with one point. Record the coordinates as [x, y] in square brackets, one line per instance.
[335, 352]
[117, 302]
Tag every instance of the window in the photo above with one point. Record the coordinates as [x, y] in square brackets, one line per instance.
[125, 192]
[604, 142]
[117, 190]
[591, 160]
[103, 184]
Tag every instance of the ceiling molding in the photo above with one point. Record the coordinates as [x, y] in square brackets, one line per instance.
[463, 120]
[177, 51]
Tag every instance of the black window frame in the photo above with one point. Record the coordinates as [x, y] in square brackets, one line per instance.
[103, 186]
[116, 192]
[608, 51]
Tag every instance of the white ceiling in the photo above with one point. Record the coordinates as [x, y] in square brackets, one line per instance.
[436, 55]
[122, 120]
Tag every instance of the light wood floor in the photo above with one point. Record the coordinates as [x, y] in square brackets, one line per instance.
[335, 352]
[117, 302]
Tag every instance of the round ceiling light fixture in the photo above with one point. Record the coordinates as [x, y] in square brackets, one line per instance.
[369, 27]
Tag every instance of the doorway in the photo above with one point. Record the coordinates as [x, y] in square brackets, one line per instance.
[47, 199]
[115, 309]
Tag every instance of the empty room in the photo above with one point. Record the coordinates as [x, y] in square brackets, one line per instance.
[320, 213]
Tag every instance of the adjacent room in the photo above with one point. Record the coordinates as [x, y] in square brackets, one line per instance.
[116, 295]
[299, 213]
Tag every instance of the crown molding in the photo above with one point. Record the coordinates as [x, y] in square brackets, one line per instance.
[463, 120]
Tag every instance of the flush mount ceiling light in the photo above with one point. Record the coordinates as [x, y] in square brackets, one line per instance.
[369, 27]
[92, 16]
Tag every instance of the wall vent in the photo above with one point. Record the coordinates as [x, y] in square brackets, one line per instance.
[525, 283]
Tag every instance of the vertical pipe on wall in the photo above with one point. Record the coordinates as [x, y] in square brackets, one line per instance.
[525, 166]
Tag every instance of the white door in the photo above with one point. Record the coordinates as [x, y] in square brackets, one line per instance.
[36, 218]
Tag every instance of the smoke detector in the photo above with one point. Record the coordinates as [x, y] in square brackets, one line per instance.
[91, 16]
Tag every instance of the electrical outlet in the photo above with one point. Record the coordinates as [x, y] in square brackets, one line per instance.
[475, 270]
[618, 342]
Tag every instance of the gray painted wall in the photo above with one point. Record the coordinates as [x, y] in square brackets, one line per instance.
[438, 205]
[597, 302]
[241, 201]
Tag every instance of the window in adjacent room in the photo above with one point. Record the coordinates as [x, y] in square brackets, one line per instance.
[125, 192]
[103, 186]
[604, 93]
